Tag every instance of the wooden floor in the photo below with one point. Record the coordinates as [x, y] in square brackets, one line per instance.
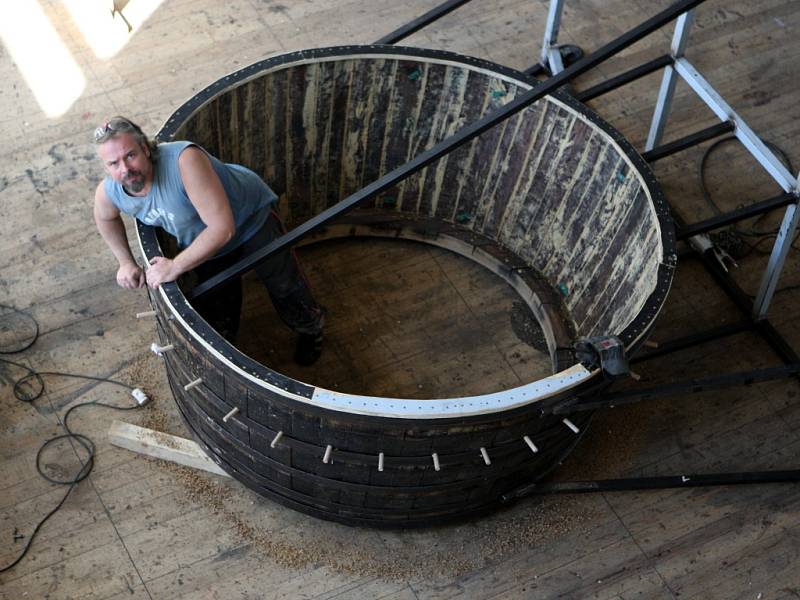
[413, 320]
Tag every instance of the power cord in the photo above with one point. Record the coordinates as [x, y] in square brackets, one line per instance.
[733, 238]
[25, 391]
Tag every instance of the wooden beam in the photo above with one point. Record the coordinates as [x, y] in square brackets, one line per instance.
[162, 445]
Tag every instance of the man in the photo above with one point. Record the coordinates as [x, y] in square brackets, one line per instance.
[217, 212]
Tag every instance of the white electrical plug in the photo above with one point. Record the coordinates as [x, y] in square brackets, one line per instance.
[140, 397]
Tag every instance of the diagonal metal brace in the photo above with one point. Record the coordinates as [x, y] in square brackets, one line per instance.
[461, 137]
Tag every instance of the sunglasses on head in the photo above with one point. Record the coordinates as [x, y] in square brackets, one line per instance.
[102, 130]
[114, 126]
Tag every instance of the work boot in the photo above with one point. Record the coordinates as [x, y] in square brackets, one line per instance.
[308, 349]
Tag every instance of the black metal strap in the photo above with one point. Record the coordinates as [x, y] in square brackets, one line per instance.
[689, 141]
[624, 78]
[653, 483]
[612, 399]
[429, 17]
[694, 339]
[737, 215]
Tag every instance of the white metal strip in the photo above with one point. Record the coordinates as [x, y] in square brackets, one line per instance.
[746, 135]
[554, 61]
[452, 407]
[667, 90]
[681, 36]
[661, 112]
[776, 260]
[551, 29]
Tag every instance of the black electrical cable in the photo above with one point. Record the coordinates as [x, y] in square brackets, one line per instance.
[732, 239]
[21, 394]
[7, 311]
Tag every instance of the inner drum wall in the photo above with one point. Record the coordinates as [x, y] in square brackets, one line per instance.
[547, 183]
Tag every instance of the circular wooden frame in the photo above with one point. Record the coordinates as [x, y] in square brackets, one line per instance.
[597, 248]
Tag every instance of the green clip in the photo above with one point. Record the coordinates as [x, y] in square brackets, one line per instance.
[415, 74]
[499, 93]
[620, 176]
[389, 202]
[563, 289]
[463, 217]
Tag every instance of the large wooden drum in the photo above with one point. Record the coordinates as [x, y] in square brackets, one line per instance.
[553, 200]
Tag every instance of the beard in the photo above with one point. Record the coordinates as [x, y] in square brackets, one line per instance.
[134, 182]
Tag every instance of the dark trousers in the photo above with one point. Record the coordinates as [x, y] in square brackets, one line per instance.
[280, 274]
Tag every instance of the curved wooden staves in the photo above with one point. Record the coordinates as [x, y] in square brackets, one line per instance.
[553, 200]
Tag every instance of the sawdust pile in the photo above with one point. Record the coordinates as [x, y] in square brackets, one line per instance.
[526, 328]
[144, 368]
[444, 552]
[611, 446]
[149, 369]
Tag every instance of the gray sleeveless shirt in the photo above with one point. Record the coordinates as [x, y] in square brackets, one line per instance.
[168, 206]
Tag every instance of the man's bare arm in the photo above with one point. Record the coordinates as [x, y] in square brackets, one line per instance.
[112, 229]
[207, 195]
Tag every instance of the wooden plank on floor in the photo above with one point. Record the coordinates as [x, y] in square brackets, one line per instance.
[163, 446]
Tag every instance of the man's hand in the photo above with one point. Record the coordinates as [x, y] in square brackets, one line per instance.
[161, 270]
[130, 276]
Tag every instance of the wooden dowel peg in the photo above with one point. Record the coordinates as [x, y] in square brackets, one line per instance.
[380, 462]
[485, 456]
[147, 313]
[571, 425]
[651, 344]
[327, 458]
[159, 350]
[276, 439]
[228, 417]
[634, 376]
[530, 443]
[436, 465]
[193, 384]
